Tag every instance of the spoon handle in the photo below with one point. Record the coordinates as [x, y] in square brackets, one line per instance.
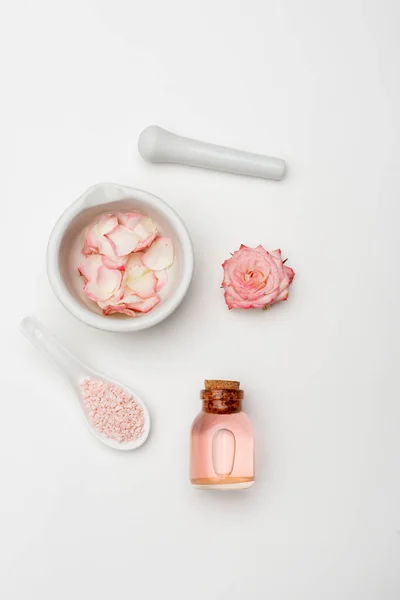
[158, 145]
[44, 341]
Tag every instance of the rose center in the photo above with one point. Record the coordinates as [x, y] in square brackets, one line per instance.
[253, 277]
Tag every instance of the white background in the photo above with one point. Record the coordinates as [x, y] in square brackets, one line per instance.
[316, 83]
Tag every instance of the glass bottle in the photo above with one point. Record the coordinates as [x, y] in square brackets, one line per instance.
[222, 440]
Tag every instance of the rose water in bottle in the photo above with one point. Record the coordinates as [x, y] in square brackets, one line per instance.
[222, 440]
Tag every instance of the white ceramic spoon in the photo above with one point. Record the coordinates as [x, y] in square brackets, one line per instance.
[76, 372]
[159, 145]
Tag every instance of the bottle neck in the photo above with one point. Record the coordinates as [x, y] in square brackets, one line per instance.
[222, 402]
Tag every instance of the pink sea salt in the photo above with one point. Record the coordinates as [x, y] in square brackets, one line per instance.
[112, 410]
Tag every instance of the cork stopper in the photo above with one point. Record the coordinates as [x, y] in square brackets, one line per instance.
[221, 397]
[221, 384]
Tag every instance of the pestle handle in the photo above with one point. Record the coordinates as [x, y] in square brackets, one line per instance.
[159, 145]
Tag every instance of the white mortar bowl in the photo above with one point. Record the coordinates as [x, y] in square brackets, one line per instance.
[66, 241]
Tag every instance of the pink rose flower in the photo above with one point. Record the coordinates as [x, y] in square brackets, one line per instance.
[255, 278]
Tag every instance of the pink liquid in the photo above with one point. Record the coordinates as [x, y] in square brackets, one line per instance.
[222, 450]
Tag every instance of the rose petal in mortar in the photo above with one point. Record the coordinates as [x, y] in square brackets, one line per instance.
[160, 255]
[104, 285]
[124, 240]
[145, 305]
[135, 266]
[90, 266]
[162, 279]
[147, 232]
[118, 263]
[129, 220]
[144, 285]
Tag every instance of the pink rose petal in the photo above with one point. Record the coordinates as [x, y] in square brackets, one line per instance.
[109, 280]
[160, 255]
[146, 305]
[136, 271]
[162, 279]
[118, 263]
[146, 243]
[129, 220]
[106, 224]
[145, 228]
[135, 266]
[107, 247]
[90, 266]
[104, 285]
[90, 245]
[289, 272]
[122, 309]
[124, 296]
[130, 303]
[130, 298]
[144, 285]
[147, 232]
[283, 295]
[124, 240]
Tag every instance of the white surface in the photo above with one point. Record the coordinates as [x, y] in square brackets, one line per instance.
[317, 84]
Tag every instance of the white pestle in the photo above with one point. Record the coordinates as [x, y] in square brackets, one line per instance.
[158, 145]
